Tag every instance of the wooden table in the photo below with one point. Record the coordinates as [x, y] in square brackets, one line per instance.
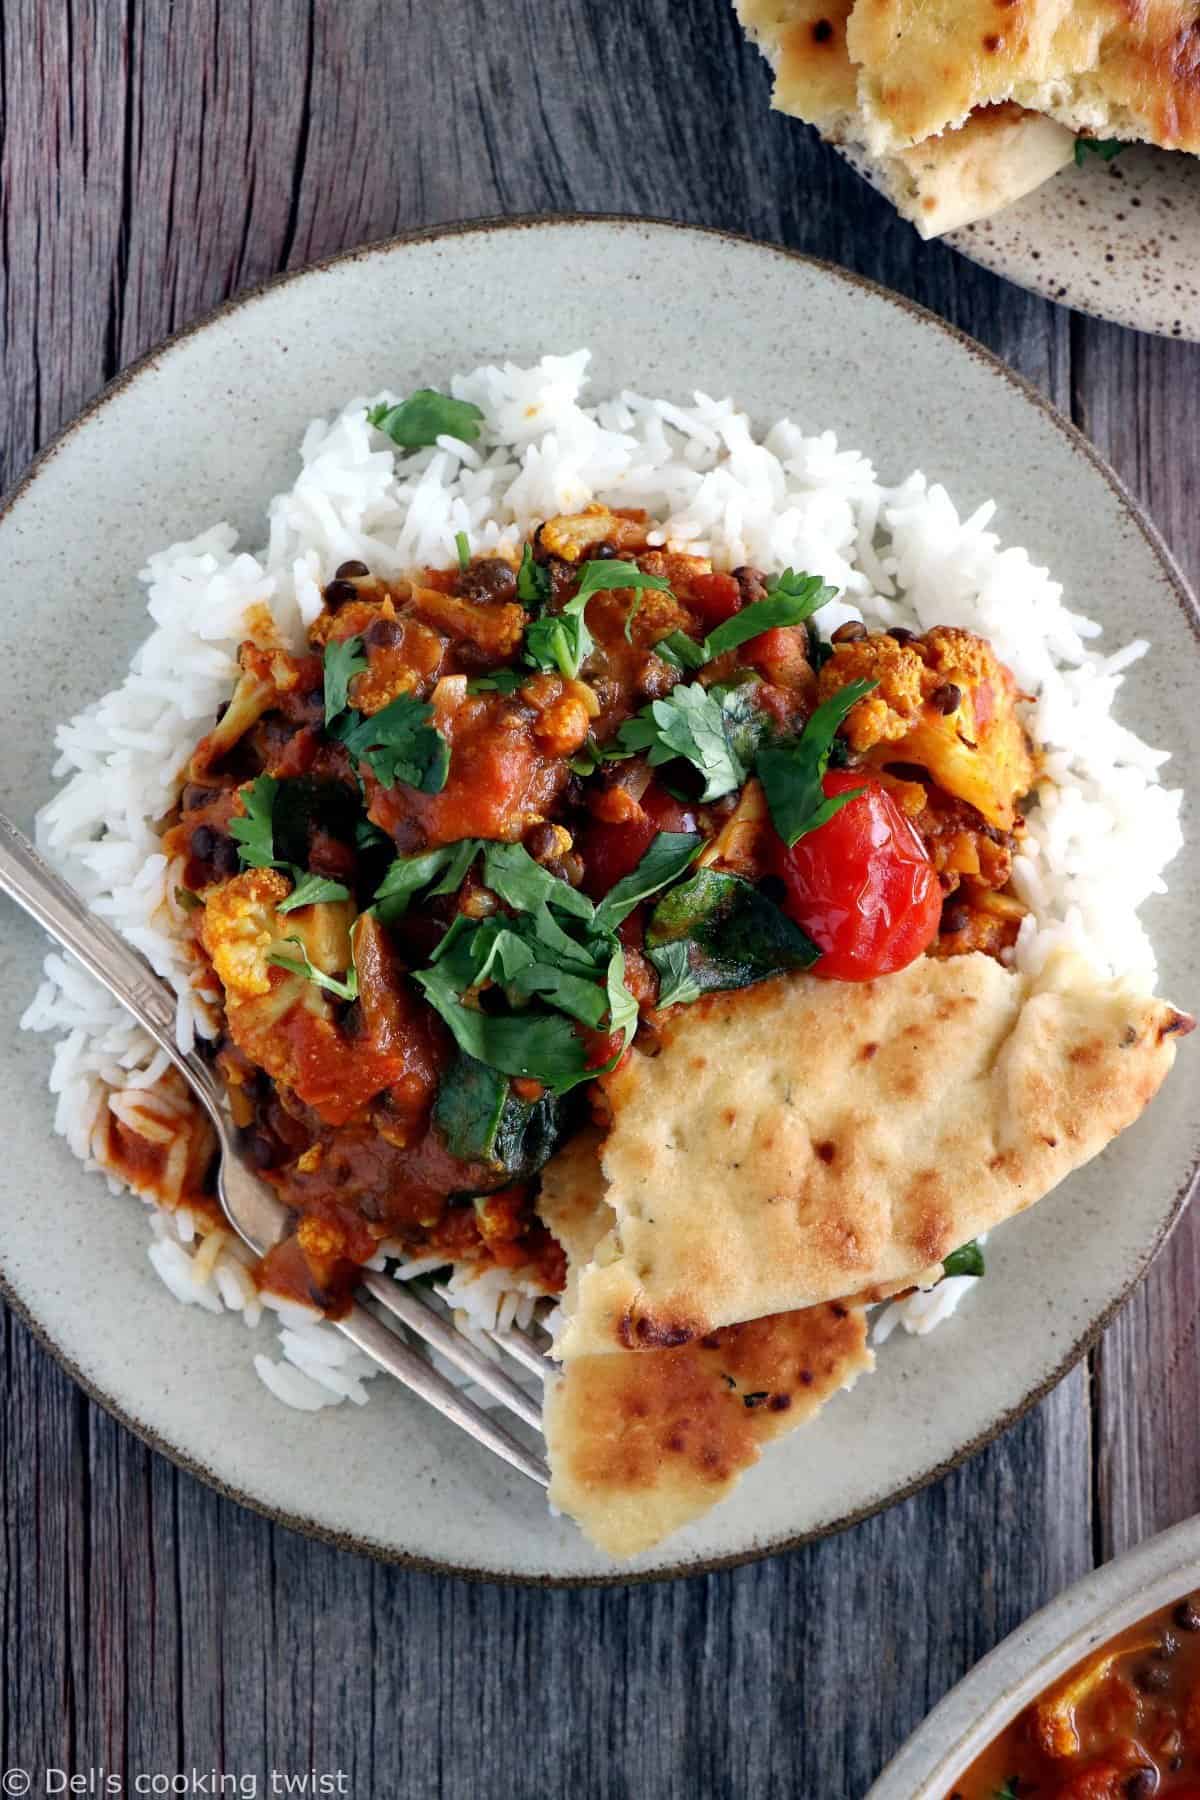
[154, 158]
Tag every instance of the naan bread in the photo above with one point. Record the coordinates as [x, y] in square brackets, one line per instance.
[641, 1444]
[806, 1140]
[1103, 66]
[1000, 154]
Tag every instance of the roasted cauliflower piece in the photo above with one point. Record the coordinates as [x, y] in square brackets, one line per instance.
[239, 927]
[570, 534]
[946, 703]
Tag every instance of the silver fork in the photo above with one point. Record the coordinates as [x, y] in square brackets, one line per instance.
[251, 1205]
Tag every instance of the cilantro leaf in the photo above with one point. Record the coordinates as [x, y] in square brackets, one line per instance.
[690, 723]
[462, 544]
[409, 874]
[668, 856]
[533, 581]
[791, 772]
[681, 651]
[310, 890]
[966, 1260]
[607, 573]
[343, 661]
[255, 833]
[568, 993]
[500, 681]
[1104, 148]
[622, 1007]
[542, 1046]
[560, 640]
[510, 872]
[346, 989]
[793, 599]
[425, 417]
[677, 986]
[401, 745]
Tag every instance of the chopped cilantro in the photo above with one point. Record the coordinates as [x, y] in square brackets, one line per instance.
[966, 1260]
[463, 545]
[690, 723]
[343, 661]
[668, 856]
[343, 989]
[409, 874]
[677, 986]
[791, 599]
[510, 872]
[255, 833]
[792, 772]
[500, 681]
[533, 581]
[310, 890]
[188, 901]
[681, 651]
[1104, 148]
[560, 640]
[425, 417]
[400, 744]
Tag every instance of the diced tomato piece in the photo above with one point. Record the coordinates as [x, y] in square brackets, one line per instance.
[611, 851]
[780, 655]
[714, 597]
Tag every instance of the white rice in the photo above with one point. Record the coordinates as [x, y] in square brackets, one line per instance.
[1097, 847]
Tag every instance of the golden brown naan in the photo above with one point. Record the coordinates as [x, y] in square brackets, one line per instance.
[641, 1444]
[1000, 154]
[806, 1139]
[1109, 67]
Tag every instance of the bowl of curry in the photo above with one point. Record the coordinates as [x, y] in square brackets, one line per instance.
[1097, 1697]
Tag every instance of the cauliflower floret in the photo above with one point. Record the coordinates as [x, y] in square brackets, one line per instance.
[945, 703]
[570, 534]
[239, 927]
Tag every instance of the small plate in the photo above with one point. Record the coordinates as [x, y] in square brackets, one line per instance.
[207, 428]
[1118, 239]
[1162, 1569]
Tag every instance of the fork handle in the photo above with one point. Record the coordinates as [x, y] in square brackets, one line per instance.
[59, 910]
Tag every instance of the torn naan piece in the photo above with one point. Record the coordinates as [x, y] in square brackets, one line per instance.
[641, 1444]
[1000, 154]
[805, 1140]
[1101, 66]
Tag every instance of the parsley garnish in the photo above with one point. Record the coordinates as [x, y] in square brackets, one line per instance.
[400, 745]
[1104, 148]
[966, 1260]
[310, 890]
[409, 874]
[343, 661]
[500, 681]
[556, 960]
[562, 640]
[791, 599]
[689, 722]
[533, 581]
[681, 651]
[345, 989]
[255, 833]
[792, 772]
[462, 544]
[677, 986]
[668, 856]
[425, 417]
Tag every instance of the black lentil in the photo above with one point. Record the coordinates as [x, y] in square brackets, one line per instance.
[850, 633]
[350, 571]
[338, 592]
[383, 634]
[946, 699]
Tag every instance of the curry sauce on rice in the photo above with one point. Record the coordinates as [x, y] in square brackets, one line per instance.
[613, 920]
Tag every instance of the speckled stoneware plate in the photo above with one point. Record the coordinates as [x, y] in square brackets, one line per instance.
[1159, 1571]
[205, 429]
[1118, 239]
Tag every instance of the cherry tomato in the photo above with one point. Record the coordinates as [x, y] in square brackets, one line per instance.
[862, 885]
[715, 597]
[611, 851]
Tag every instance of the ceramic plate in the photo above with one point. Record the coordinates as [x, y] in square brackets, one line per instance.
[204, 430]
[975, 1712]
[1118, 239]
